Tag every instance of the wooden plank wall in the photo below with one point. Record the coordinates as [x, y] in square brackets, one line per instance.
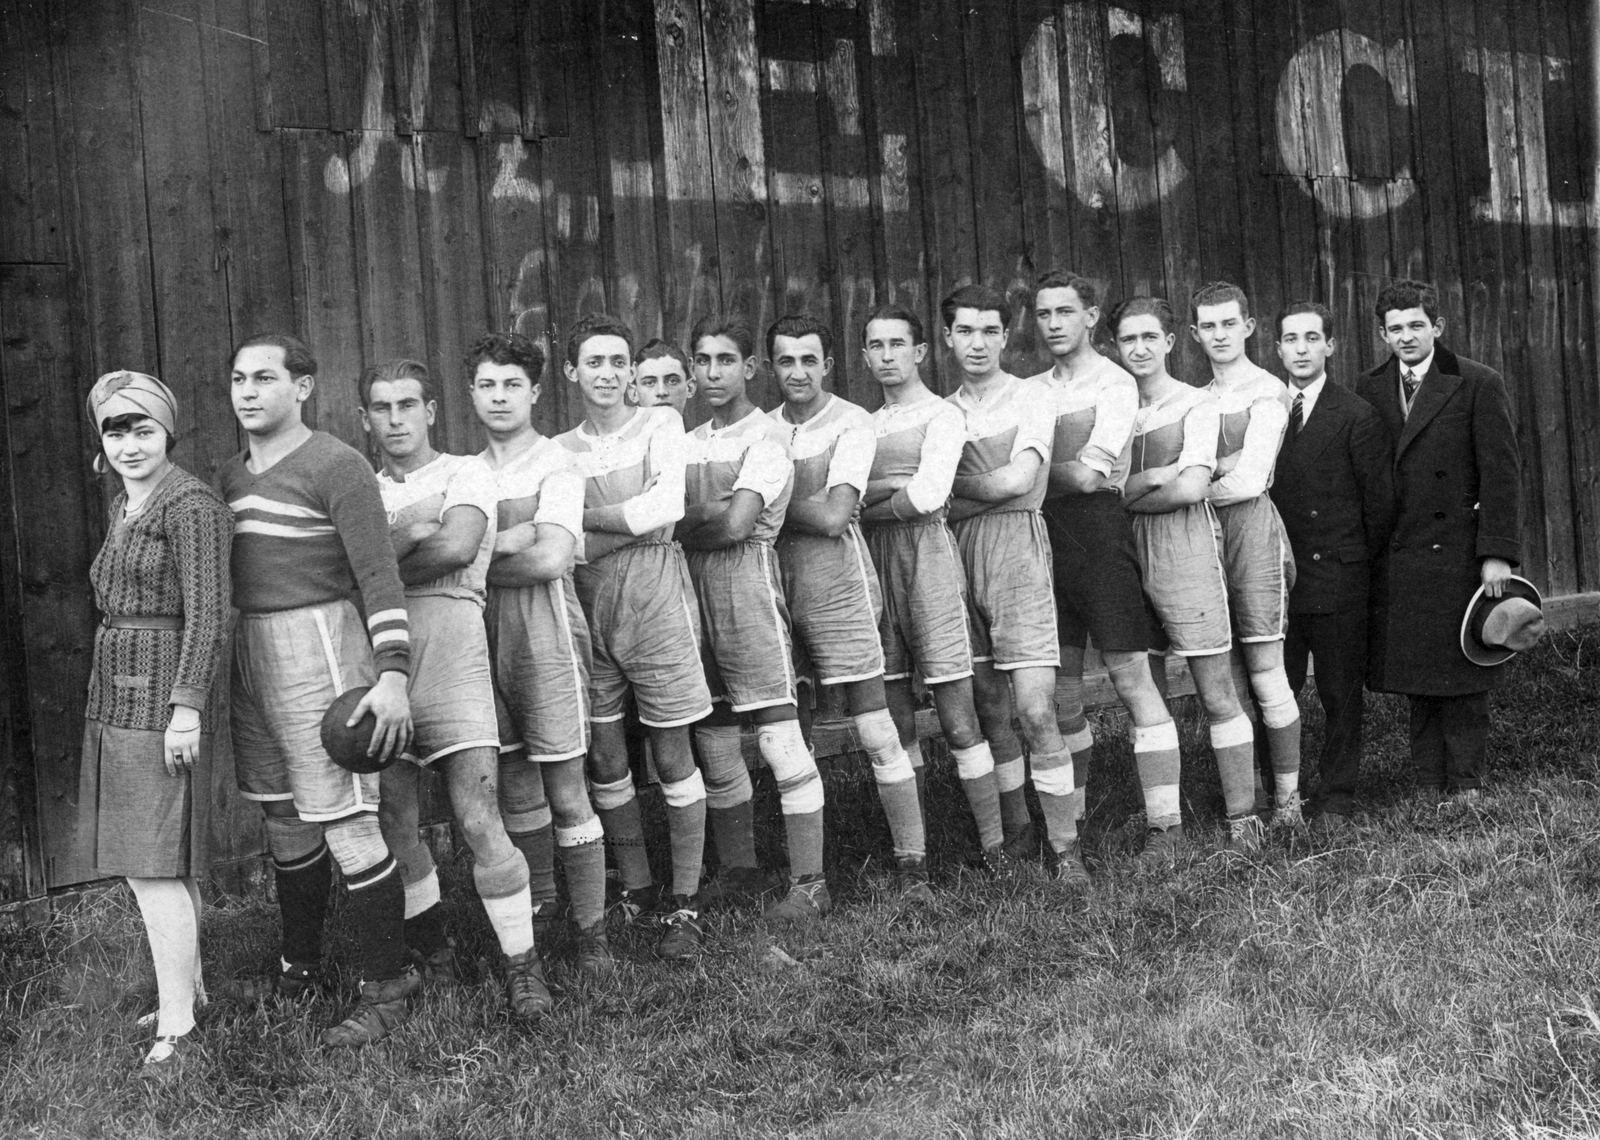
[396, 176]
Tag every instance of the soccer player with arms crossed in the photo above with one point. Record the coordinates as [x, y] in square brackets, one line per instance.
[924, 624]
[994, 514]
[439, 510]
[310, 533]
[739, 482]
[1179, 542]
[1098, 586]
[643, 620]
[1257, 558]
[538, 640]
[828, 577]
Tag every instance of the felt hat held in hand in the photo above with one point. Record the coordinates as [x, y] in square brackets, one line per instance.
[1495, 630]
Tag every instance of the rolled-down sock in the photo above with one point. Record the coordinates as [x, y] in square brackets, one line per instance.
[896, 780]
[1280, 714]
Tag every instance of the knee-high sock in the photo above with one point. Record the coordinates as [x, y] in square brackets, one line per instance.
[169, 923]
[583, 854]
[525, 812]
[728, 795]
[302, 871]
[799, 794]
[686, 824]
[1052, 779]
[896, 779]
[377, 896]
[1010, 773]
[1280, 714]
[1079, 738]
[618, 807]
[1155, 755]
[503, 889]
[1234, 743]
[1241, 687]
[976, 770]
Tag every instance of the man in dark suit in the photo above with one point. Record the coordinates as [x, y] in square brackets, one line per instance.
[1335, 490]
[1456, 480]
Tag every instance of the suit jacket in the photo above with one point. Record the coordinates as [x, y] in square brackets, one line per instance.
[1457, 494]
[1334, 487]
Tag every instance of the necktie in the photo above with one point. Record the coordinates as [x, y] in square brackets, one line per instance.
[1412, 383]
[1297, 414]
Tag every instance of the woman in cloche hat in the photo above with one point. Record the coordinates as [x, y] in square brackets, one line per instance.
[161, 584]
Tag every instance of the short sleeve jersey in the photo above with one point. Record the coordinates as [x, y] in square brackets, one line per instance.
[446, 482]
[1254, 411]
[922, 440]
[649, 451]
[1180, 428]
[1010, 419]
[539, 486]
[750, 455]
[1094, 414]
[833, 448]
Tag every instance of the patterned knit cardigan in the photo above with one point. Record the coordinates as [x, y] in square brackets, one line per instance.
[169, 559]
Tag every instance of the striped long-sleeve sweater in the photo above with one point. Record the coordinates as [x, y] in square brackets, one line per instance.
[311, 529]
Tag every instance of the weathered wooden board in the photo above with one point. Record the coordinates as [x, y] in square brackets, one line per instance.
[397, 176]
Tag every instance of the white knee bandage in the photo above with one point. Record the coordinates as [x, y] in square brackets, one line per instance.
[356, 842]
[1278, 706]
[684, 793]
[609, 797]
[973, 763]
[589, 831]
[292, 841]
[799, 782]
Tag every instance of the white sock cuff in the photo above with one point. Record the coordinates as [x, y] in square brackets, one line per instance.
[1052, 773]
[1228, 733]
[589, 831]
[609, 797]
[1081, 741]
[1161, 737]
[1008, 776]
[511, 917]
[801, 795]
[422, 894]
[526, 822]
[973, 763]
[1161, 801]
[684, 793]
[896, 769]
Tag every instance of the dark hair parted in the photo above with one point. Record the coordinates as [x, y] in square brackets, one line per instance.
[1295, 308]
[505, 348]
[129, 420]
[658, 349]
[1156, 307]
[1218, 293]
[593, 325]
[799, 325]
[1408, 294]
[979, 297]
[401, 369]
[297, 358]
[729, 325]
[1089, 292]
[896, 312]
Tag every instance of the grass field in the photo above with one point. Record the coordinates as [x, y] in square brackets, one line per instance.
[1435, 977]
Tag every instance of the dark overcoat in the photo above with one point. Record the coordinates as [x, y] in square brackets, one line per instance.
[1334, 487]
[1456, 485]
